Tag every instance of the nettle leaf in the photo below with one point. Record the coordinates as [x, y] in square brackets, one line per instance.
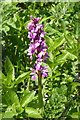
[27, 98]
[21, 77]
[9, 70]
[33, 113]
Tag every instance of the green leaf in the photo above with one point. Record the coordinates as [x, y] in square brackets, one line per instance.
[61, 58]
[10, 97]
[70, 55]
[74, 85]
[73, 51]
[8, 114]
[9, 70]
[50, 42]
[58, 42]
[70, 41]
[75, 115]
[27, 98]
[51, 56]
[45, 18]
[6, 28]
[64, 56]
[0, 116]
[11, 23]
[3, 77]
[33, 113]
[21, 77]
[51, 31]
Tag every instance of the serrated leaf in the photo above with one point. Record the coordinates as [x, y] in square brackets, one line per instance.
[33, 113]
[27, 98]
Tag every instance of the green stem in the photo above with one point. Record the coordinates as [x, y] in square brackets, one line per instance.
[34, 13]
[40, 97]
[28, 83]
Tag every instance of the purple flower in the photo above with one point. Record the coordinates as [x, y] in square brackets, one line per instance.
[31, 49]
[30, 25]
[41, 54]
[33, 77]
[38, 47]
[77, 78]
[4, 58]
[45, 60]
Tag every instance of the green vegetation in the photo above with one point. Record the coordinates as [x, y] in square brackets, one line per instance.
[61, 90]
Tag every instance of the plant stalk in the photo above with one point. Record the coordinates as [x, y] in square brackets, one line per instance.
[40, 97]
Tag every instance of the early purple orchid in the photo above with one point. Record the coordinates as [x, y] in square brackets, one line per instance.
[38, 47]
